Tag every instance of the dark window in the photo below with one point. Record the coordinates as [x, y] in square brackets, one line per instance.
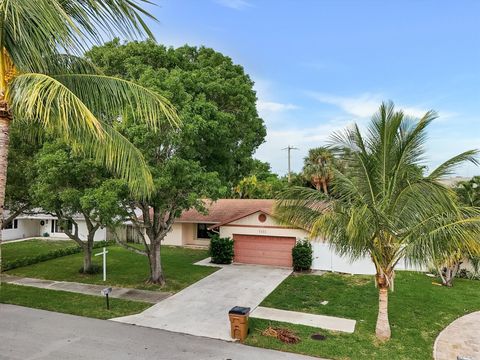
[203, 232]
[57, 228]
[12, 225]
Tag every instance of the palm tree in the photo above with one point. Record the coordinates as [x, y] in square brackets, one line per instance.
[384, 207]
[44, 86]
[318, 168]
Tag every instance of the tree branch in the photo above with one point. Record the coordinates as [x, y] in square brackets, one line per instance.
[12, 216]
[128, 247]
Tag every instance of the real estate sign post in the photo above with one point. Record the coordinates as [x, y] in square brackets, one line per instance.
[104, 253]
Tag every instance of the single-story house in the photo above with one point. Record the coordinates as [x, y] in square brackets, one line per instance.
[259, 238]
[43, 225]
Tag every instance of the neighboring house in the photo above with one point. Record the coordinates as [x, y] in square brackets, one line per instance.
[40, 224]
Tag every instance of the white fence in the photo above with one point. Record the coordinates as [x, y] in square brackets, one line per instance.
[326, 259]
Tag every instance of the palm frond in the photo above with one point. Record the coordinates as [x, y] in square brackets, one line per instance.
[112, 17]
[110, 96]
[32, 31]
[448, 167]
[60, 64]
[43, 99]
[118, 155]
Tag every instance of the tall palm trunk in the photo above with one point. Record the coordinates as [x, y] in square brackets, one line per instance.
[324, 186]
[5, 119]
[382, 330]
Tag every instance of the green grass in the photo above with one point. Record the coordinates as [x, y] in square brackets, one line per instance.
[125, 268]
[30, 248]
[418, 312]
[67, 302]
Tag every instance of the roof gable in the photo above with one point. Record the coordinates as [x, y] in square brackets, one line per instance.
[225, 210]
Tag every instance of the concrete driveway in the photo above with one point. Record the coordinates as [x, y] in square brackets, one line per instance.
[202, 308]
[31, 334]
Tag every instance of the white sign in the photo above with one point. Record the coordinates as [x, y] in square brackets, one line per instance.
[106, 291]
[104, 253]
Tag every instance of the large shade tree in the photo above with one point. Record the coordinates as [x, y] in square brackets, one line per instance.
[220, 131]
[44, 85]
[383, 206]
[213, 95]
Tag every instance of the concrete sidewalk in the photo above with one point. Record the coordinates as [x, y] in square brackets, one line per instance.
[333, 323]
[88, 289]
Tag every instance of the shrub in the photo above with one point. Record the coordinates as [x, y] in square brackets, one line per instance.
[46, 234]
[302, 255]
[221, 250]
[25, 261]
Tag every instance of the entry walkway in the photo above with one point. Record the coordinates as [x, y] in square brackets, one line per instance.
[460, 339]
[88, 289]
[202, 308]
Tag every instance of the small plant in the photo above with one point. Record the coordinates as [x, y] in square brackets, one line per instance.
[221, 250]
[302, 255]
[46, 234]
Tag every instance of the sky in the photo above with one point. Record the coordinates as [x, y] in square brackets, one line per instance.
[322, 65]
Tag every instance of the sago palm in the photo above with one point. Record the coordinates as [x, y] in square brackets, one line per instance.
[382, 206]
[45, 85]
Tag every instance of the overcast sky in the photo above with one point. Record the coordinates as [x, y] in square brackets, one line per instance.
[320, 65]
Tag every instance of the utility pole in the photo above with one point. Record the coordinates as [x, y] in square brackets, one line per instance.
[289, 148]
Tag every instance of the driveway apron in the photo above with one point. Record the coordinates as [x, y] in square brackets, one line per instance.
[202, 308]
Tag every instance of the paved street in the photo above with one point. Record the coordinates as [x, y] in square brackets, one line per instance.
[28, 334]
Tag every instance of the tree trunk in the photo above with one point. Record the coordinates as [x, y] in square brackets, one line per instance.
[382, 330]
[384, 281]
[5, 118]
[324, 187]
[87, 259]
[156, 271]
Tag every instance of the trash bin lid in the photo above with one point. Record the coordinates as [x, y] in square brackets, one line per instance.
[239, 310]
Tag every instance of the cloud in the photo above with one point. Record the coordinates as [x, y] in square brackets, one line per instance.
[364, 105]
[303, 138]
[234, 4]
[271, 106]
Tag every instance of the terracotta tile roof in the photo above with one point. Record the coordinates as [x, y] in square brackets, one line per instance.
[223, 210]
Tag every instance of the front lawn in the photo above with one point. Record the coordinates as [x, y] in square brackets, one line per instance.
[68, 303]
[30, 248]
[125, 268]
[418, 312]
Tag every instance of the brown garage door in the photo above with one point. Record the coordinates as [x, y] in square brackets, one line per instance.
[264, 250]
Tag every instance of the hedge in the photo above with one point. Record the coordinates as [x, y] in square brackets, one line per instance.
[30, 260]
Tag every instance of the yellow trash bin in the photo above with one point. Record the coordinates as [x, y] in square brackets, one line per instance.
[239, 322]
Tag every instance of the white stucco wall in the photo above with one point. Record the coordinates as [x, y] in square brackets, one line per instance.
[100, 234]
[26, 228]
[250, 225]
[324, 258]
[175, 236]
